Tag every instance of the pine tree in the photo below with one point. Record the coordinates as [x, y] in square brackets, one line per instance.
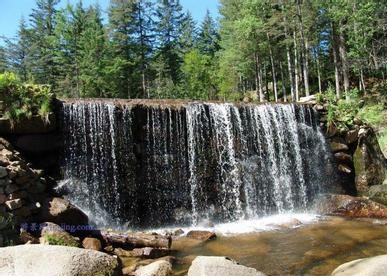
[167, 59]
[208, 38]
[120, 53]
[42, 49]
[18, 53]
[188, 37]
[91, 56]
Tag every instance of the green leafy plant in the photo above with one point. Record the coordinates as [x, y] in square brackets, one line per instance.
[23, 100]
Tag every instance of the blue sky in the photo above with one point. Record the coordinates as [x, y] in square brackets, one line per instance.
[12, 10]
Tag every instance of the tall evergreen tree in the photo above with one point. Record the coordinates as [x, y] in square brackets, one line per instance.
[91, 56]
[120, 30]
[42, 48]
[208, 38]
[168, 60]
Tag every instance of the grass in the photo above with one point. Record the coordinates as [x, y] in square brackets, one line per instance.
[58, 239]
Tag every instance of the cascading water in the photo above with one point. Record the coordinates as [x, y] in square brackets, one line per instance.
[157, 165]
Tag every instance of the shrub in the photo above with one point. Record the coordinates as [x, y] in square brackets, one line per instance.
[22, 100]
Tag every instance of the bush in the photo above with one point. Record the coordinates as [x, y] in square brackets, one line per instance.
[22, 100]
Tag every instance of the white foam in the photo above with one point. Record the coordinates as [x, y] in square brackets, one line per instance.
[268, 223]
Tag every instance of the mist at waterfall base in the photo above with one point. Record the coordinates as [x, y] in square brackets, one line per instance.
[229, 166]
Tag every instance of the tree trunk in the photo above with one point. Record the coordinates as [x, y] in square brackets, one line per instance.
[318, 74]
[344, 63]
[363, 88]
[283, 83]
[288, 56]
[272, 70]
[304, 49]
[296, 67]
[258, 78]
[336, 61]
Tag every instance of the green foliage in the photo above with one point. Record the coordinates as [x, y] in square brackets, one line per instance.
[23, 100]
[372, 114]
[58, 239]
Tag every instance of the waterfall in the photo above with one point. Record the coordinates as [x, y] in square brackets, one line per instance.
[151, 165]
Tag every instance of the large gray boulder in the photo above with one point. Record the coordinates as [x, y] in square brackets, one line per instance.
[219, 266]
[374, 266]
[49, 260]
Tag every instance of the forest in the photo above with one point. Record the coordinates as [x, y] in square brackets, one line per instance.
[263, 50]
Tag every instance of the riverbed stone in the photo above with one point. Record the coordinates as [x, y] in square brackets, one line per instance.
[220, 266]
[374, 266]
[201, 235]
[349, 206]
[342, 156]
[92, 243]
[49, 260]
[158, 268]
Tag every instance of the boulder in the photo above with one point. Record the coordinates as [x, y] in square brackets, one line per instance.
[92, 243]
[201, 235]
[219, 266]
[374, 266]
[61, 211]
[349, 206]
[48, 260]
[158, 268]
[52, 234]
[369, 161]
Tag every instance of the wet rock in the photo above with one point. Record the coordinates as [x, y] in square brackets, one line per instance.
[3, 198]
[291, 223]
[348, 206]
[55, 261]
[374, 266]
[146, 252]
[92, 243]
[11, 188]
[158, 268]
[178, 232]
[352, 136]
[14, 204]
[201, 235]
[342, 156]
[61, 211]
[3, 172]
[378, 193]
[369, 161]
[219, 266]
[336, 147]
[26, 237]
[344, 168]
